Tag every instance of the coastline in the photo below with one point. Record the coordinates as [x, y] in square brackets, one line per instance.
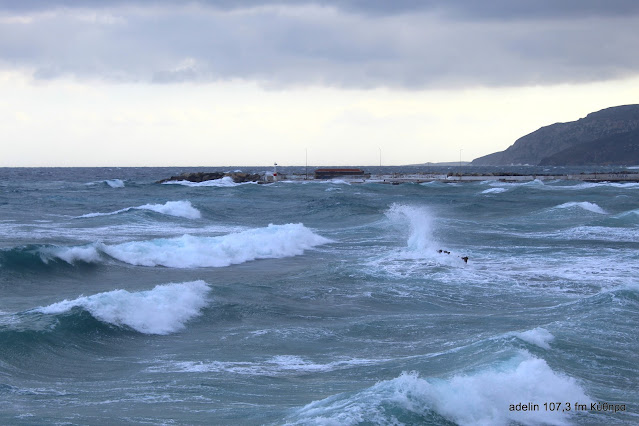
[448, 178]
[399, 178]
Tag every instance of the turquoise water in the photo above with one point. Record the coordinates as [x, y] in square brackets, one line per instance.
[127, 301]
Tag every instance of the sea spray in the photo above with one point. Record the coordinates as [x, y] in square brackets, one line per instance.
[162, 310]
[419, 223]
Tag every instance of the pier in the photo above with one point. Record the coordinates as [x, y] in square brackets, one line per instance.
[398, 178]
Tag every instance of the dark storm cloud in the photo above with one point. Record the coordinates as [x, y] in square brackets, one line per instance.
[410, 44]
[493, 9]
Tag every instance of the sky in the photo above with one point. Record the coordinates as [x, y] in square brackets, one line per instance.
[350, 82]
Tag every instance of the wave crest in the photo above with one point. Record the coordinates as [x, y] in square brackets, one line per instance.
[162, 310]
[482, 398]
[170, 208]
[115, 183]
[274, 241]
[71, 255]
[537, 336]
[497, 190]
[224, 182]
[187, 251]
[591, 207]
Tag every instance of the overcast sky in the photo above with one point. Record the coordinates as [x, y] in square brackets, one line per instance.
[218, 83]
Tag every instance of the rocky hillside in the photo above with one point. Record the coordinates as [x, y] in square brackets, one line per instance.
[587, 141]
[621, 149]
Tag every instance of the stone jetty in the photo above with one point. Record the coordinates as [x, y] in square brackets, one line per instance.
[238, 177]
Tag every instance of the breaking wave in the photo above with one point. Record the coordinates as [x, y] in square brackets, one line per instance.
[494, 190]
[35, 257]
[162, 310]
[591, 207]
[274, 241]
[187, 251]
[224, 182]
[537, 336]
[170, 208]
[482, 398]
[70, 255]
[115, 183]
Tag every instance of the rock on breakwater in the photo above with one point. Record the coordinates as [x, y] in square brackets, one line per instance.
[238, 177]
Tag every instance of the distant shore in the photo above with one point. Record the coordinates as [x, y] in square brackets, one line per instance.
[399, 178]
[461, 177]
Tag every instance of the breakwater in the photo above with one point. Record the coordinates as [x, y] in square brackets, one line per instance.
[398, 178]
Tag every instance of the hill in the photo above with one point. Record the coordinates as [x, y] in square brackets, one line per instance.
[621, 149]
[600, 138]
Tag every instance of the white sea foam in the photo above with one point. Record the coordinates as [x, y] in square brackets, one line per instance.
[592, 207]
[280, 365]
[7, 319]
[535, 182]
[224, 182]
[187, 251]
[170, 208]
[482, 398]
[174, 208]
[537, 336]
[597, 233]
[114, 233]
[163, 310]
[88, 254]
[115, 183]
[494, 190]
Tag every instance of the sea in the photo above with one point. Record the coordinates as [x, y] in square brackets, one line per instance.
[304, 302]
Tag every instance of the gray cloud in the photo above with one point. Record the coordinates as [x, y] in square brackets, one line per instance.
[409, 44]
[490, 9]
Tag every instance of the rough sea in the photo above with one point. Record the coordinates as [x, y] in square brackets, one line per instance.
[124, 301]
